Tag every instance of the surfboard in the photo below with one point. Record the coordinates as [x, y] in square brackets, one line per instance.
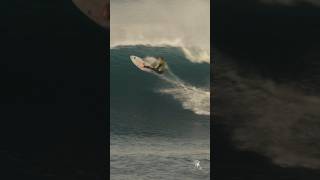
[139, 63]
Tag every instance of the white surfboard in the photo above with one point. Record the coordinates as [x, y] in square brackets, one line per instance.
[139, 63]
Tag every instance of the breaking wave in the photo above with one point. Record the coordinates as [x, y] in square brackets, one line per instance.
[191, 94]
[158, 23]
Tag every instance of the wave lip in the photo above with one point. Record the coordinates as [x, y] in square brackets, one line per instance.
[194, 54]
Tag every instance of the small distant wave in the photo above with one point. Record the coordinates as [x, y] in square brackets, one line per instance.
[192, 98]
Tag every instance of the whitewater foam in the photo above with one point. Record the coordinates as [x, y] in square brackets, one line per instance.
[192, 98]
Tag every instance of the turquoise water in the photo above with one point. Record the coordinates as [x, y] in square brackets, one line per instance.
[159, 125]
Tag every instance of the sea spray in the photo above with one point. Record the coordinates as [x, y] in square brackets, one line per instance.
[192, 98]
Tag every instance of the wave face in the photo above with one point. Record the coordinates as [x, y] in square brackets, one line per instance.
[179, 23]
[158, 121]
[192, 93]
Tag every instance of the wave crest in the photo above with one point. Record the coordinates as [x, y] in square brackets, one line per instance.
[158, 23]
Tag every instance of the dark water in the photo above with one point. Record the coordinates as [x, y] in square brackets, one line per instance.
[158, 134]
[53, 92]
[266, 83]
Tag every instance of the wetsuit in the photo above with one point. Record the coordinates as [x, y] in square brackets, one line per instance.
[158, 69]
[154, 69]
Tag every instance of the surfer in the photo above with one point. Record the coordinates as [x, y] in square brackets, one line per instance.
[159, 67]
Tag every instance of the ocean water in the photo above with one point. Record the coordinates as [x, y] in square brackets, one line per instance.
[159, 125]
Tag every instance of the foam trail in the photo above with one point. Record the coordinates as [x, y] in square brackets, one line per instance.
[178, 23]
[192, 98]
